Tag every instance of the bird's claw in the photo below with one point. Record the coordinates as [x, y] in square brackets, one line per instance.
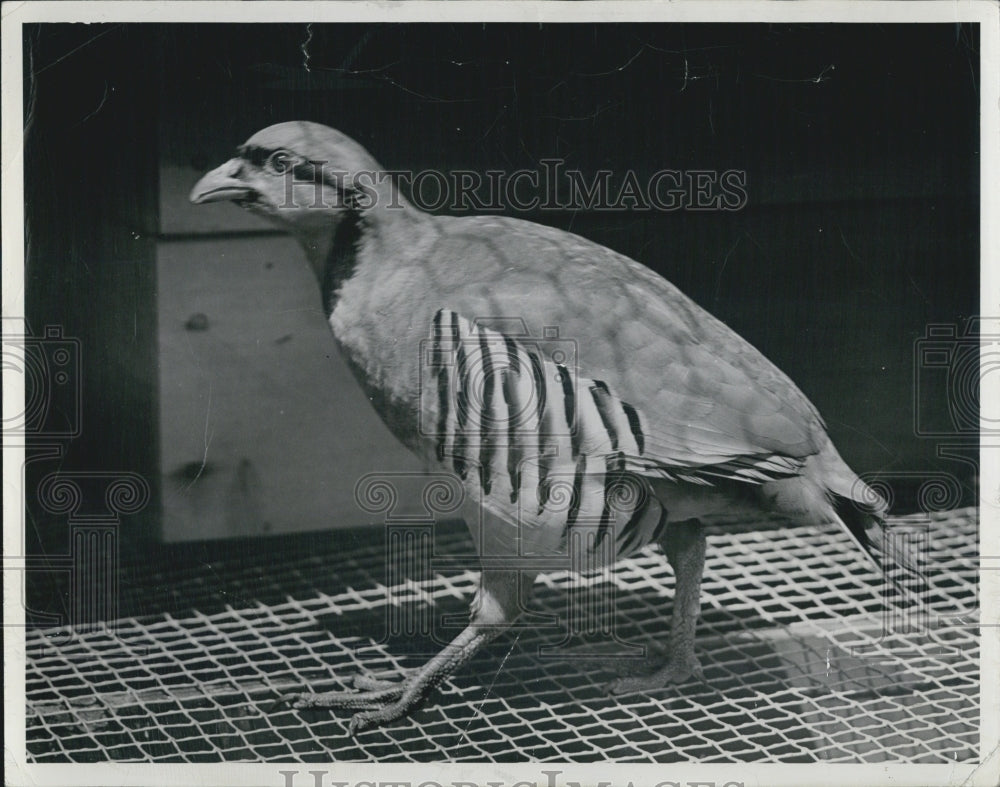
[371, 718]
[283, 702]
[294, 701]
[358, 723]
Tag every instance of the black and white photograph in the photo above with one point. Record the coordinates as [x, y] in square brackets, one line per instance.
[467, 393]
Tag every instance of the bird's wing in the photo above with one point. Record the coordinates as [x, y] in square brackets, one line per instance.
[704, 396]
[497, 400]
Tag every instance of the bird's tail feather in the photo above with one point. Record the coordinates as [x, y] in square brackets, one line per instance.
[867, 526]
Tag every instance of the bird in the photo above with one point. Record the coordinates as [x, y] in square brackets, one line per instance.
[584, 403]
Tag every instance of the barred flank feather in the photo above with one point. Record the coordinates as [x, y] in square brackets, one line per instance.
[514, 415]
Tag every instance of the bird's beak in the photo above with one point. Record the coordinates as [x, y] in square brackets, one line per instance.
[220, 184]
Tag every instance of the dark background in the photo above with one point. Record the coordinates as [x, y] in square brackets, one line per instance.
[860, 143]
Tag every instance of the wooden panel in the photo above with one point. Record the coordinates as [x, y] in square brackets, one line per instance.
[264, 430]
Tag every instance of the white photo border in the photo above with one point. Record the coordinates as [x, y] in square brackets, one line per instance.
[19, 771]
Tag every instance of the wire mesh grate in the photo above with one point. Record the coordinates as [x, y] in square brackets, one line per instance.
[804, 660]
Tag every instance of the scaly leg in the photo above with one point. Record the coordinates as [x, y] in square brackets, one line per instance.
[495, 607]
[684, 545]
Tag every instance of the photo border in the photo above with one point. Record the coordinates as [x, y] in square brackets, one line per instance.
[14, 15]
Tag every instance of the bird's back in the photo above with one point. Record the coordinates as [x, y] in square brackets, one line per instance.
[707, 395]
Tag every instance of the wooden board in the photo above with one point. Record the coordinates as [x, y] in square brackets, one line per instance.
[264, 430]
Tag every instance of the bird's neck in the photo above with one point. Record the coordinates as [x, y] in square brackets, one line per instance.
[356, 238]
[356, 261]
[332, 253]
[317, 245]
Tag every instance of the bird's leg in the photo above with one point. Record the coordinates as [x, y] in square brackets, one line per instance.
[495, 607]
[684, 545]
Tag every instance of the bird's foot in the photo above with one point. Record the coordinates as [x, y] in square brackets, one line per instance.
[378, 701]
[676, 671]
[339, 699]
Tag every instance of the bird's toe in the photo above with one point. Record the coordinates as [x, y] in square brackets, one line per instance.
[287, 701]
[633, 684]
[301, 700]
[365, 682]
[675, 672]
[378, 716]
[337, 699]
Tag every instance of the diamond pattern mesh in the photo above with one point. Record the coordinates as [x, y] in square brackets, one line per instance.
[803, 659]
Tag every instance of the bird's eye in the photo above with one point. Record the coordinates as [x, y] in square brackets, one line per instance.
[280, 162]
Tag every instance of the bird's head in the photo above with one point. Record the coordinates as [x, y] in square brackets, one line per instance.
[303, 176]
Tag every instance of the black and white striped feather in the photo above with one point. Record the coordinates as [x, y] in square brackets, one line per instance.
[548, 449]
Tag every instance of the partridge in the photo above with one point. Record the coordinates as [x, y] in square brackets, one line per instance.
[644, 420]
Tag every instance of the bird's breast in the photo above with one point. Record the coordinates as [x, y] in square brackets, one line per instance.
[375, 329]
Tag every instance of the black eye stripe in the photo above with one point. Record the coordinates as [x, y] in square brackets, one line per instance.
[308, 171]
[302, 169]
[259, 156]
[255, 155]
